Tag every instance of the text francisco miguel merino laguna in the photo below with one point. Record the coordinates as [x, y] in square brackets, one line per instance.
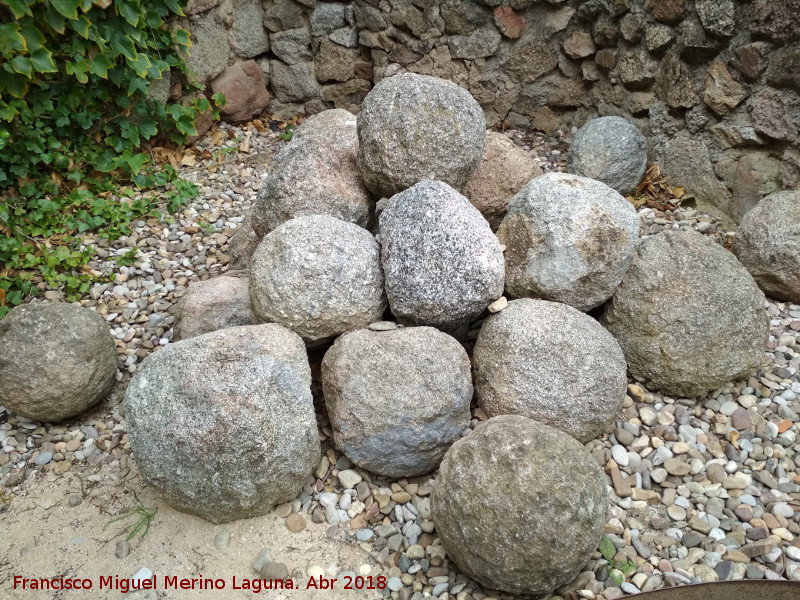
[173, 582]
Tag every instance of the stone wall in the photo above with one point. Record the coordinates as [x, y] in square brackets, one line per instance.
[713, 84]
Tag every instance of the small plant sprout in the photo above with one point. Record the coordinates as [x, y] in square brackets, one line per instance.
[618, 569]
[142, 525]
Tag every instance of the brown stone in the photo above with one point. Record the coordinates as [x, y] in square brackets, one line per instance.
[621, 486]
[531, 61]
[674, 84]
[245, 92]
[758, 548]
[649, 496]
[579, 45]
[510, 23]
[544, 119]
[698, 524]
[722, 93]
[606, 58]
[772, 110]
[666, 11]
[675, 466]
[776, 20]
[73, 446]
[751, 59]
[784, 67]
[757, 175]
[334, 62]
[295, 523]
[736, 556]
[213, 304]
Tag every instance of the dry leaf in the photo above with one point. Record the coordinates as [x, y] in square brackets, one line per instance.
[2, 297]
[677, 192]
[206, 155]
[245, 145]
[217, 136]
[188, 160]
[735, 436]
[259, 125]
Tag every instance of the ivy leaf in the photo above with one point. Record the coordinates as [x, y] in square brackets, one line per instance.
[219, 100]
[147, 128]
[13, 83]
[82, 25]
[174, 7]
[128, 12]
[68, 8]
[11, 40]
[99, 65]
[183, 38]
[42, 61]
[54, 19]
[137, 84]
[7, 113]
[78, 69]
[123, 45]
[19, 8]
[140, 64]
[34, 39]
[102, 3]
[22, 64]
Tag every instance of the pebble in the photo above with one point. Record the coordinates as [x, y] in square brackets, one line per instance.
[295, 523]
[349, 478]
[273, 570]
[122, 549]
[221, 540]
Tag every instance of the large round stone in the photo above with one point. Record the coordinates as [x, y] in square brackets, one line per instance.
[611, 150]
[443, 264]
[316, 174]
[504, 170]
[768, 245]
[397, 399]
[519, 506]
[223, 424]
[215, 303]
[414, 127]
[56, 360]
[319, 277]
[688, 316]
[552, 363]
[568, 239]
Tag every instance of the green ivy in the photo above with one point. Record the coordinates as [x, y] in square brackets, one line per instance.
[75, 118]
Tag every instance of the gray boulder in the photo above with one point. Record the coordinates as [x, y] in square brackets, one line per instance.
[56, 360]
[443, 265]
[397, 399]
[223, 424]
[213, 304]
[316, 174]
[551, 363]
[519, 506]
[414, 127]
[688, 316]
[611, 150]
[319, 277]
[504, 170]
[568, 239]
[242, 245]
[768, 245]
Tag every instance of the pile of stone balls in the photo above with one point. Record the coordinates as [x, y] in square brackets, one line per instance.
[360, 237]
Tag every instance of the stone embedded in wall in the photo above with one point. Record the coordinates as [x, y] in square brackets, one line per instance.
[606, 58]
[293, 83]
[637, 69]
[463, 16]
[736, 131]
[605, 32]
[639, 103]
[579, 45]
[752, 59]
[696, 46]
[245, 92]
[494, 90]
[347, 95]
[784, 67]
[716, 16]
[292, 45]
[776, 114]
[478, 44]
[282, 15]
[334, 62]
[208, 55]
[345, 36]
[632, 27]
[195, 7]
[554, 90]
[248, 36]
[687, 163]
[722, 92]
[511, 24]
[666, 11]
[406, 16]
[674, 84]
[558, 19]
[590, 10]
[757, 175]
[775, 20]
[544, 119]
[439, 63]
[531, 61]
[369, 17]
[658, 38]
[327, 17]
[790, 169]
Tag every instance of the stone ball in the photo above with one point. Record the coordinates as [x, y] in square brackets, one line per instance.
[398, 398]
[688, 315]
[611, 150]
[519, 506]
[223, 424]
[568, 239]
[504, 170]
[318, 276]
[56, 360]
[768, 245]
[552, 363]
[215, 303]
[414, 127]
[316, 174]
[443, 265]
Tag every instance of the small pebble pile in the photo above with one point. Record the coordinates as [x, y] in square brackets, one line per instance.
[692, 477]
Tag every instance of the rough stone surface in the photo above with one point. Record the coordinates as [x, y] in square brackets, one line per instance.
[414, 127]
[315, 174]
[768, 245]
[722, 92]
[397, 399]
[248, 36]
[687, 315]
[443, 264]
[56, 360]
[480, 506]
[318, 276]
[717, 16]
[504, 170]
[611, 150]
[293, 83]
[213, 304]
[245, 92]
[243, 244]
[223, 424]
[550, 362]
[776, 114]
[568, 239]
[208, 55]
[687, 163]
[775, 20]
[292, 46]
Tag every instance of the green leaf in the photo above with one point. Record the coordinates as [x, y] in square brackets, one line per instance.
[219, 100]
[128, 12]
[137, 85]
[140, 64]
[34, 39]
[13, 83]
[182, 38]
[82, 25]
[11, 40]
[174, 7]
[147, 128]
[68, 8]
[99, 65]
[54, 19]
[123, 45]
[19, 8]
[607, 548]
[78, 69]
[42, 61]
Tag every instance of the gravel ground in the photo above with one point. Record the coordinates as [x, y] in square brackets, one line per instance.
[698, 490]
